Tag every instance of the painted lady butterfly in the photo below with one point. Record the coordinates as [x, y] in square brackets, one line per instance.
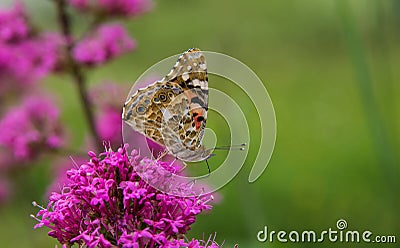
[173, 110]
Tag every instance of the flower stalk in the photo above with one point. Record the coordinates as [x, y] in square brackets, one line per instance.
[76, 72]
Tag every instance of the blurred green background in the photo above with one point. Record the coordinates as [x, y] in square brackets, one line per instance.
[330, 69]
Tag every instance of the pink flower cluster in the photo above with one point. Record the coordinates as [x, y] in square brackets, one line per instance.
[13, 24]
[29, 129]
[126, 8]
[105, 43]
[107, 204]
[25, 57]
[29, 123]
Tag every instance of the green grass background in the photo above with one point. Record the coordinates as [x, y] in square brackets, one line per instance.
[330, 69]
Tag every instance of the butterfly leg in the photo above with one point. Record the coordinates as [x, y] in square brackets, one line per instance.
[208, 166]
[209, 171]
[183, 168]
[185, 165]
[163, 154]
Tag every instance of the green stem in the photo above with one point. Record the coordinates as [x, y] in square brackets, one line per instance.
[76, 72]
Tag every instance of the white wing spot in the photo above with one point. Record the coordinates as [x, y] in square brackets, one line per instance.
[185, 76]
[196, 82]
[203, 66]
[194, 55]
[166, 114]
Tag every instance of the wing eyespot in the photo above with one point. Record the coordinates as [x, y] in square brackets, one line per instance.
[162, 97]
[141, 109]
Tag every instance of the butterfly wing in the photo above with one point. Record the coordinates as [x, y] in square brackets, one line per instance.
[173, 111]
[190, 73]
[143, 111]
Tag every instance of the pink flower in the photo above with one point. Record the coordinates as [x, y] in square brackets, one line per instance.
[126, 8]
[13, 24]
[25, 57]
[107, 204]
[79, 4]
[29, 129]
[24, 63]
[42, 54]
[109, 125]
[108, 98]
[107, 42]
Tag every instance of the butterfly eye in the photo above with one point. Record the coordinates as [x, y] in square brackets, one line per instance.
[156, 100]
[147, 101]
[141, 109]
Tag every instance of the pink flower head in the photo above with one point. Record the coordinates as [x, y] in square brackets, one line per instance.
[107, 204]
[24, 63]
[13, 24]
[108, 124]
[80, 4]
[30, 128]
[107, 42]
[42, 54]
[126, 8]
[108, 98]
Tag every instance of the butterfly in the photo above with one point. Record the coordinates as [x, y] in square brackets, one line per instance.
[173, 111]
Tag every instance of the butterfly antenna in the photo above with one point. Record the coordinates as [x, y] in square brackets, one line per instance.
[239, 147]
